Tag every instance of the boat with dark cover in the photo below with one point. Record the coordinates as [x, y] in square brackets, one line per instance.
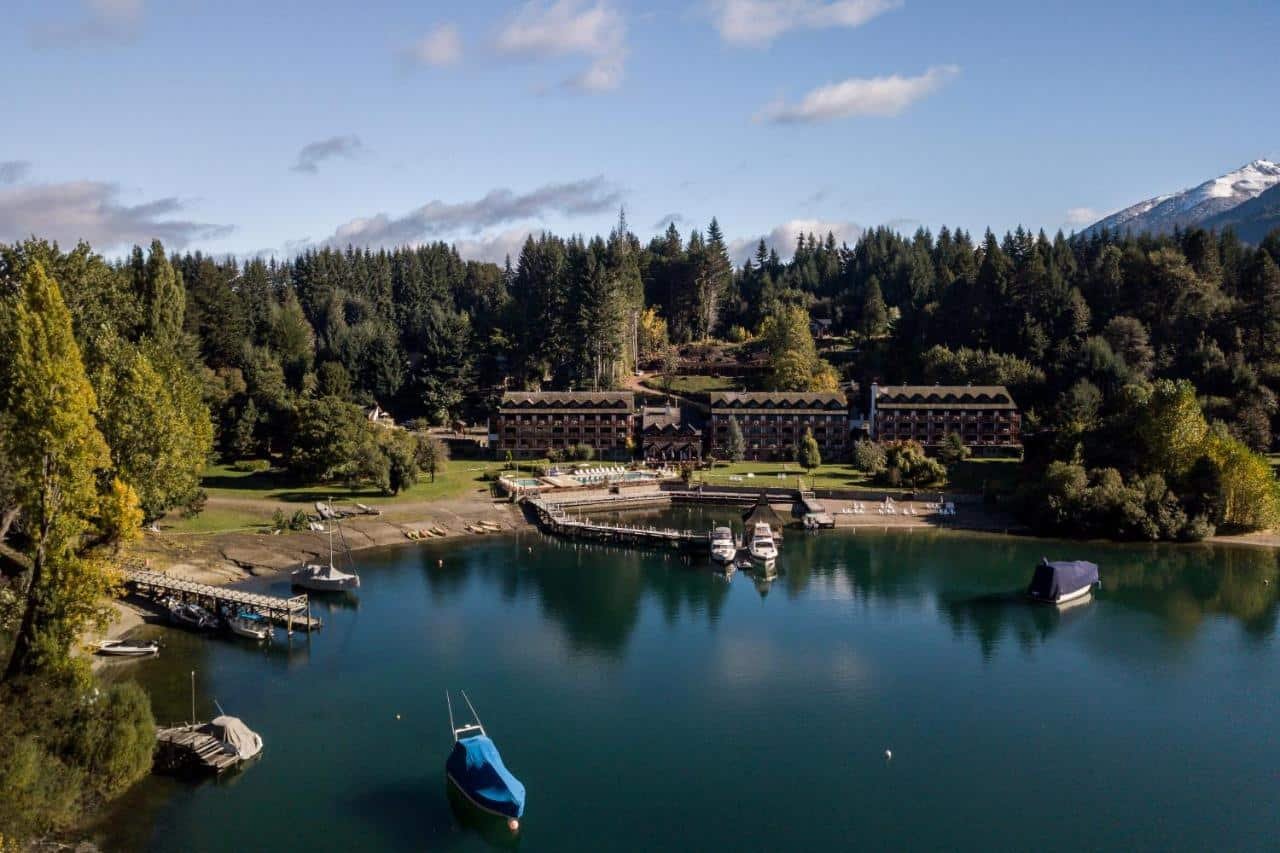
[475, 768]
[1063, 582]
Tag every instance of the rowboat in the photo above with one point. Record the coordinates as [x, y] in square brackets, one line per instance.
[126, 649]
[475, 769]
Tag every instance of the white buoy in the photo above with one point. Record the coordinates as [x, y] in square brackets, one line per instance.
[440, 563]
[513, 824]
[888, 755]
[397, 716]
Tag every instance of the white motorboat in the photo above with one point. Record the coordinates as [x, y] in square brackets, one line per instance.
[126, 649]
[325, 578]
[761, 548]
[247, 623]
[723, 548]
[1063, 583]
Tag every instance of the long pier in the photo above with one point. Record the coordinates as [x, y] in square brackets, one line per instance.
[553, 519]
[293, 611]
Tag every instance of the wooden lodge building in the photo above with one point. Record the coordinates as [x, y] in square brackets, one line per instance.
[985, 416]
[528, 423]
[773, 423]
[667, 435]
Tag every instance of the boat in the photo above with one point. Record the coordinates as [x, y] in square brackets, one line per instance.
[191, 615]
[250, 624]
[1063, 582]
[126, 649]
[475, 769]
[723, 548]
[762, 549]
[325, 578]
[234, 736]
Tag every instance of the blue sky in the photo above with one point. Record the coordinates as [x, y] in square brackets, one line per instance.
[236, 126]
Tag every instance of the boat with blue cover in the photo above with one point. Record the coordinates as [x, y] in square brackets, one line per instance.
[1063, 582]
[475, 768]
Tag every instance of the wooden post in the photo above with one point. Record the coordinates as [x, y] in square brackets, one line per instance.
[308, 614]
[288, 617]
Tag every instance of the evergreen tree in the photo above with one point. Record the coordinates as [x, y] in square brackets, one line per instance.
[736, 446]
[163, 297]
[875, 317]
[808, 454]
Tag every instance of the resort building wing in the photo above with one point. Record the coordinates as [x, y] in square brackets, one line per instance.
[985, 416]
[773, 423]
[529, 423]
[667, 434]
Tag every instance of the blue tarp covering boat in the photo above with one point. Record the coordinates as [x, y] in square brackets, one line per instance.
[477, 769]
[1063, 580]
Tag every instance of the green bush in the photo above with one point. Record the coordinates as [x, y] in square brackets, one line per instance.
[251, 466]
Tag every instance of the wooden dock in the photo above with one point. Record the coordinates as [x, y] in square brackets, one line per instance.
[188, 748]
[553, 519]
[291, 612]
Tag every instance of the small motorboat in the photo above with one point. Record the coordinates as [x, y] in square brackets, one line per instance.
[475, 769]
[325, 578]
[762, 549]
[723, 548]
[250, 624]
[235, 737]
[1063, 582]
[126, 649]
[191, 616]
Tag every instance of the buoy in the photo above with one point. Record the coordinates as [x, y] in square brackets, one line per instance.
[888, 755]
[397, 716]
[440, 563]
[513, 824]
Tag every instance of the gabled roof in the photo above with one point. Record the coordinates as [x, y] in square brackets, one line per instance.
[944, 397]
[778, 400]
[569, 399]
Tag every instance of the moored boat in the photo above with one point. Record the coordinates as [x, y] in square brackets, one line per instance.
[1063, 582]
[249, 624]
[234, 736]
[762, 548]
[322, 577]
[475, 769]
[191, 616]
[127, 649]
[723, 548]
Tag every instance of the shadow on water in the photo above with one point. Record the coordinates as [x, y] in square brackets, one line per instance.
[414, 814]
[990, 617]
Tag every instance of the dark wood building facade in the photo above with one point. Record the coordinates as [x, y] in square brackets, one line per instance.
[668, 435]
[773, 423]
[984, 416]
[529, 423]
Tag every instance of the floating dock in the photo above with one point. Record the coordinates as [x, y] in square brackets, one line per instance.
[187, 748]
[553, 519]
[291, 612]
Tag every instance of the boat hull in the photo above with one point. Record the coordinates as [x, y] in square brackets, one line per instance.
[1066, 597]
[125, 651]
[307, 581]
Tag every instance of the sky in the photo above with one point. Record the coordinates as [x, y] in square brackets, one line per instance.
[269, 126]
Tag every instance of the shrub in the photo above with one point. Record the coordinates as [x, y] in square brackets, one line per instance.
[868, 456]
[251, 466]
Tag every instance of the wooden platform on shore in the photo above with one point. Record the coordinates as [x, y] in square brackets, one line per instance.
[186, 747]
[293, 611]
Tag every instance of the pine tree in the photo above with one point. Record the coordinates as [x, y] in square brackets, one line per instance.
[808, 454]
[164, 300]
[875, 317]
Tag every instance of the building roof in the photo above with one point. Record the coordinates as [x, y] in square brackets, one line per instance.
[778, 400]
[944, 397]
[569, 400]
[666, 420]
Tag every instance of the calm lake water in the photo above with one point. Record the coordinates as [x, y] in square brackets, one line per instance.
[648, 704]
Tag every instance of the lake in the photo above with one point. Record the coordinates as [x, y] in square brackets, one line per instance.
[648, 704]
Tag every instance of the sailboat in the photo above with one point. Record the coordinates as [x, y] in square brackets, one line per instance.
[325, 578]
[475, 768]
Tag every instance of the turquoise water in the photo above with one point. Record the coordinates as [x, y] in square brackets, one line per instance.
[648, 704]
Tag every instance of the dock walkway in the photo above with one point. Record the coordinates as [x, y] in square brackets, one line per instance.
[553, 519]
[293, 611]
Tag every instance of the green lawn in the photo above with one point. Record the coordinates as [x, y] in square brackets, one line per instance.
[968, 476]
[263, 492]
[693, 385]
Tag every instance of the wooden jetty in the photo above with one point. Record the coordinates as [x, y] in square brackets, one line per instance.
[293, 611]
[553, 519]
[190, 748]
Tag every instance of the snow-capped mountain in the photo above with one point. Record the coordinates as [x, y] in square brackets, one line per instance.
[1211, 199]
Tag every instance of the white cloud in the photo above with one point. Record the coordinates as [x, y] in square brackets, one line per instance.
[102, 22]
[1081, 217]
[860, 96]
[315, 153]
[495, 247]
[442, 46]
[570, 28]
[758, 22]
[92, 211]
[497, 207]
[782, 238]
